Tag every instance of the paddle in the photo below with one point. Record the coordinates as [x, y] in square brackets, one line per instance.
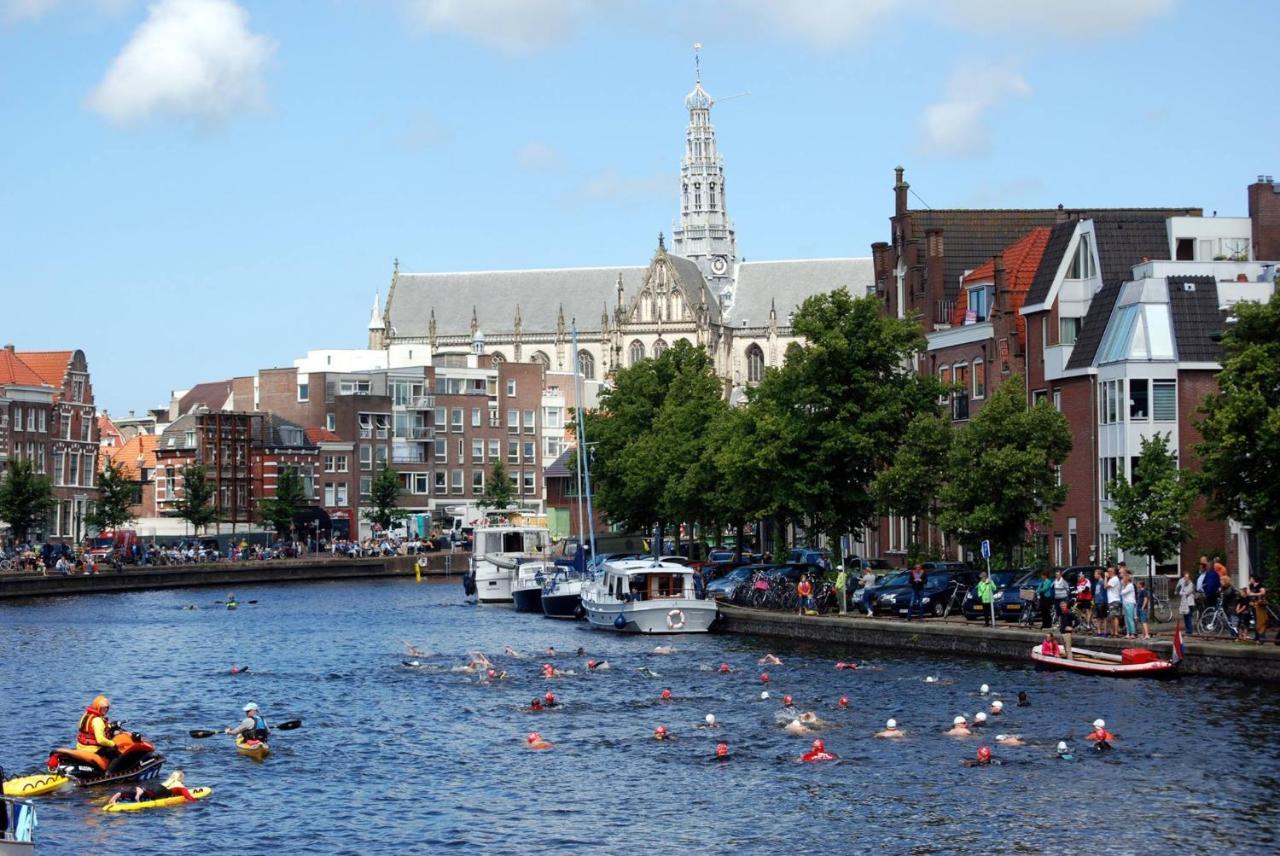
[235, 601]
[288, 725]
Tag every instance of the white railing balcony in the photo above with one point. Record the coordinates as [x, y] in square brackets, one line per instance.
[409, 456]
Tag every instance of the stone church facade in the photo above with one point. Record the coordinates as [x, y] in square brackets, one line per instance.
[698, 291]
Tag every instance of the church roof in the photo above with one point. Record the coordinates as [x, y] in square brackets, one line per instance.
[786, 284]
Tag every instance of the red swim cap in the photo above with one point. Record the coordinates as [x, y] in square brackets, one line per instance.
[764, 677]
[550, 697]
[818, 746]
[984, 753]
[661, 730]
[724, 667]
[844, 702]
[492, 673]
[666, 694]
[786, 699]
[534, 737]
[722, 750]
[591, 664]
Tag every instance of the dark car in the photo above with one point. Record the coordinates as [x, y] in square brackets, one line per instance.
[939, 586]
[809, 556]
[1007, 608]
[877, 566]
[883, 583]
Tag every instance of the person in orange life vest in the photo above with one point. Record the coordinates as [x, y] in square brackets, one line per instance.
[1100, 732]
[804, 595]
[818, 752]
[1050, 647]
[94, 732]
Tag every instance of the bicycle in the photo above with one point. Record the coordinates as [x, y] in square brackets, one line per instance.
[1213, 620]
[1084, 620]
[956, 600]
[1161, 609]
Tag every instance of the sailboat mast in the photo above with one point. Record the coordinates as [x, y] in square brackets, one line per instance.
[583, 450]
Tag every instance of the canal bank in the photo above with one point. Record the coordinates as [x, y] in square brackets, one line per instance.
[228, 573]
[1238, 661]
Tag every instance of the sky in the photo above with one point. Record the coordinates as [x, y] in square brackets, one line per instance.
[196, 189]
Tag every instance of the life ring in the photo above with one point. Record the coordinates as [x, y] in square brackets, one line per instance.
[675, 620]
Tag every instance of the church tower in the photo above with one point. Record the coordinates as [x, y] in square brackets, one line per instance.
[705, 233]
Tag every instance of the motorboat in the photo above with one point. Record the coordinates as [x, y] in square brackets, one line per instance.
[17, 838]
[526, 591]
[562, 593]
[1130, 662]
[498, 551]
[647, 596]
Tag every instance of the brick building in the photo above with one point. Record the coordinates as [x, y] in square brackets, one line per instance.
[223, 442]
[136, 458]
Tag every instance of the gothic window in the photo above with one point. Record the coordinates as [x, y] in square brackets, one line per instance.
[587, 365]
[712, 188]
[498, 360]
[686, 195]
[541, 358]
[755, 364]
[637, 351]
[697, 196]
[659, 348]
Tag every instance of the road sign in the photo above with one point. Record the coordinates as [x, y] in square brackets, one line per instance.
[986, 549]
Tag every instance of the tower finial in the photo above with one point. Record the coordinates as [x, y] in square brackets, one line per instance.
[697, 62]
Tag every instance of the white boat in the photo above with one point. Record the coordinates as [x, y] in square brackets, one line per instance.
[526, 591]
[499, 549]
[646, 596]
[562, 594]
[18, 838]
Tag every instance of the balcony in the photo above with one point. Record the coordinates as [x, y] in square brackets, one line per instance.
[420, 402]
[410, 455]
[422, 433]
[942, 311]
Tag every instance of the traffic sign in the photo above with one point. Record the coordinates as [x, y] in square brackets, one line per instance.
[986, 549]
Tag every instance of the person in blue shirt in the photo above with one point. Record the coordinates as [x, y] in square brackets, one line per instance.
[1100, 602]
[1211, 587]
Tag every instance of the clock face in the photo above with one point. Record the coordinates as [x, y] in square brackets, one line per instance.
[719, 265]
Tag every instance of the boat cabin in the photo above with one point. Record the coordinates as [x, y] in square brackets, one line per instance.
[530, 540]
[641, 580]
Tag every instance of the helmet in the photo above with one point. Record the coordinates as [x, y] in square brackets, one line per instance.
[101, 702]
[979, 717]
[818, 746]
[1099, 723]
[984, 689]
[891, 724]
[786, 699]
[959, 720]
[984, 753]
[250, 706]
[711, 719]
[1062, 747]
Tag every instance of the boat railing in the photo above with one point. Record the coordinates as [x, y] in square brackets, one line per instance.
[20, 822]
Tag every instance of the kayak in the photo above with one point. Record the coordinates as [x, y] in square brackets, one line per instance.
[231, 604]
[163, 802]
[34, 785]
[256, 749]
[1132, 662]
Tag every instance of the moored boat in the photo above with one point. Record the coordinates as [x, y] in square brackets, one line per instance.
[499, 550]
[562, 594]
[526, 591]
[647, 596]
[1131, 662]
[18, 835]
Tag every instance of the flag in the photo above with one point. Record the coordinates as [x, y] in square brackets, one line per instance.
[1177, 646]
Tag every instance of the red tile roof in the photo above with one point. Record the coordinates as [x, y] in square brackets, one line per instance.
[322, 435]
[1021, 261]
[138, 451]
[50, 365]
[107, 429]
[16, 371]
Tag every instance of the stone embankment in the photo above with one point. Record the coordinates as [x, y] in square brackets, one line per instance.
[16, 585]
[1238, 661]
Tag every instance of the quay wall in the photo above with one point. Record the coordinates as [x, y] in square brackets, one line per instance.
[227, 574]
[1237, 661]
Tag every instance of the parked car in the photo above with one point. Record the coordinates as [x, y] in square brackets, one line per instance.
[1007, 603]
[809, 556]
[883, 583]
[878, 566]
[725, 586]
[938, 589]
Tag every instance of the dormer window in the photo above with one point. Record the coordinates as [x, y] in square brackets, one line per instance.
[979, 304]
[1082, 265]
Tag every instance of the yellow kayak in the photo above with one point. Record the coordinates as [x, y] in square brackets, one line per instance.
[34, 785]
[256, 749]
[163, 802]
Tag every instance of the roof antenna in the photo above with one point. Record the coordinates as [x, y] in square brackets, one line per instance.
[697, 62]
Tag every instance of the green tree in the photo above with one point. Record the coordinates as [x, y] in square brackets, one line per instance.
[196, 503]
[384, 494]
[1000, 473]
[290, 497]
[1150, 514]
[116, 497]
[910, 485]
[26, 498]
[498, 493]
[1240, 451]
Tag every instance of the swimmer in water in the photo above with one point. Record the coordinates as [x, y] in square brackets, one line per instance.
[795, 726]
[580, 652]
[983, 759]
[722, 751]
[549, 699]
[235, 670]
[597, 665]
[931, 680]
[769, 660]
[1064, 752]
[512, 652]
[1023, 701]
[842, 666]
[724, 669]
[1100, 732]
[818, 752]
[479, 661]
[1009, 740]
[549, 671]
[786, 701]
[979, 719]
[664, 649]
[710, 719]
[551, 650]
[764, 677]
[412, 650]
[997, 707]
[495, 675]
[959, 728]
[661, 733]
[535, 741]
[1102, 746]
[891, 729]
[844, 701]
[647, 672]
[665, 695]
[764, 695]
[535, 706]
[811, 719]
[984, 689]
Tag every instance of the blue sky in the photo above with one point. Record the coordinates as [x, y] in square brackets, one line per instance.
[195, 189]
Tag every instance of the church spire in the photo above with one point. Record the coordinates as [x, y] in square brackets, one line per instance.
[705, 234]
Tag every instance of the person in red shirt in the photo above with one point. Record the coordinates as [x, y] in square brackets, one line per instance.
[804, 595]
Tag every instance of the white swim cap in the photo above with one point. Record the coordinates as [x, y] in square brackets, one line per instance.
[711, 719]
[997, 704]
[796, 722]
[984, 689]
[1001, 736]
[1099, 723]
[764, 695]
[930, 679]
[979, 717]
[959, 720]
[891, 724]
[1062, 746]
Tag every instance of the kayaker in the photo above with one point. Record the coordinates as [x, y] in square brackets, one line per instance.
[94, 732]
[818, 752]
[253, 726]
[174, 786]
[891, 729]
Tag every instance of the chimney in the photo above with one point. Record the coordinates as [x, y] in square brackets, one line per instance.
[900, 193]
[1264, 216]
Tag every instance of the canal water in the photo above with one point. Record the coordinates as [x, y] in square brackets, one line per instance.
[400, 759]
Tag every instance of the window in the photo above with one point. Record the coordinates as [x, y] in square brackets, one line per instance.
[455, 419]
[42, 426]
[684, 188]
[636, 351]
[511, 387]
[1186, 250]
[530, 451]
[304, 391]
[513, 421]
[331, 421]
[366, 484]
[31, 421]
[477, 482]
[552, 417]
[1110, 469]
[441, 417]
[530, 422]
[697, 188]
[1057, 478]
[421, 482]
[495, 449]
[330, 494]
[462, 451]
[1164, 400]
[366, 457]
[552, 447]
[354, 387]
[1040, 396]
[979, 378]
[755, 364]
[1082, 266]
[944, 377]
[1138, 404]
[660, 346]
[59, 476]
[401, 425]
[960, 401]
[380, 456]
[341, 498]
[73, 467]
[477, 451]
[330, 465]
[1057, 400]
[587, 365]
[455, 482]
[1057, 550]
[979, 304]
[77, 390]
[441, 478]
[1110, 396]
[1068, 330]
[475, 417]
[513, 451]
[530, 487]
[441, 449]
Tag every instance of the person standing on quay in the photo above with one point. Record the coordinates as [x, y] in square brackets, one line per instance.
[918, 579]
[1186, 592]
[804, 590]
[868, 581]
[1100, 603]
[1143, 603]
[1211, 585]
[1129, 598]
[842, 581]
[1044, 595]
[1115, 610]
[1257, 594]
[1061, 591]
[986, 593]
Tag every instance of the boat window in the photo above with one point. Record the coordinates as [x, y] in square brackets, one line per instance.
[493, 542]
[535, 542]
[511, 542]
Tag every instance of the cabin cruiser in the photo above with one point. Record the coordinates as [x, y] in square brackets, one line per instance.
[526, 591]
[562, 593]
[498, 550]
[647, 596]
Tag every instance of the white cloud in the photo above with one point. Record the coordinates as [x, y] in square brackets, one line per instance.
[513, 26]
[190, 58]
[956, 126]
[537, 155]
[611, 186]
[1081, 19]
[823, 23]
